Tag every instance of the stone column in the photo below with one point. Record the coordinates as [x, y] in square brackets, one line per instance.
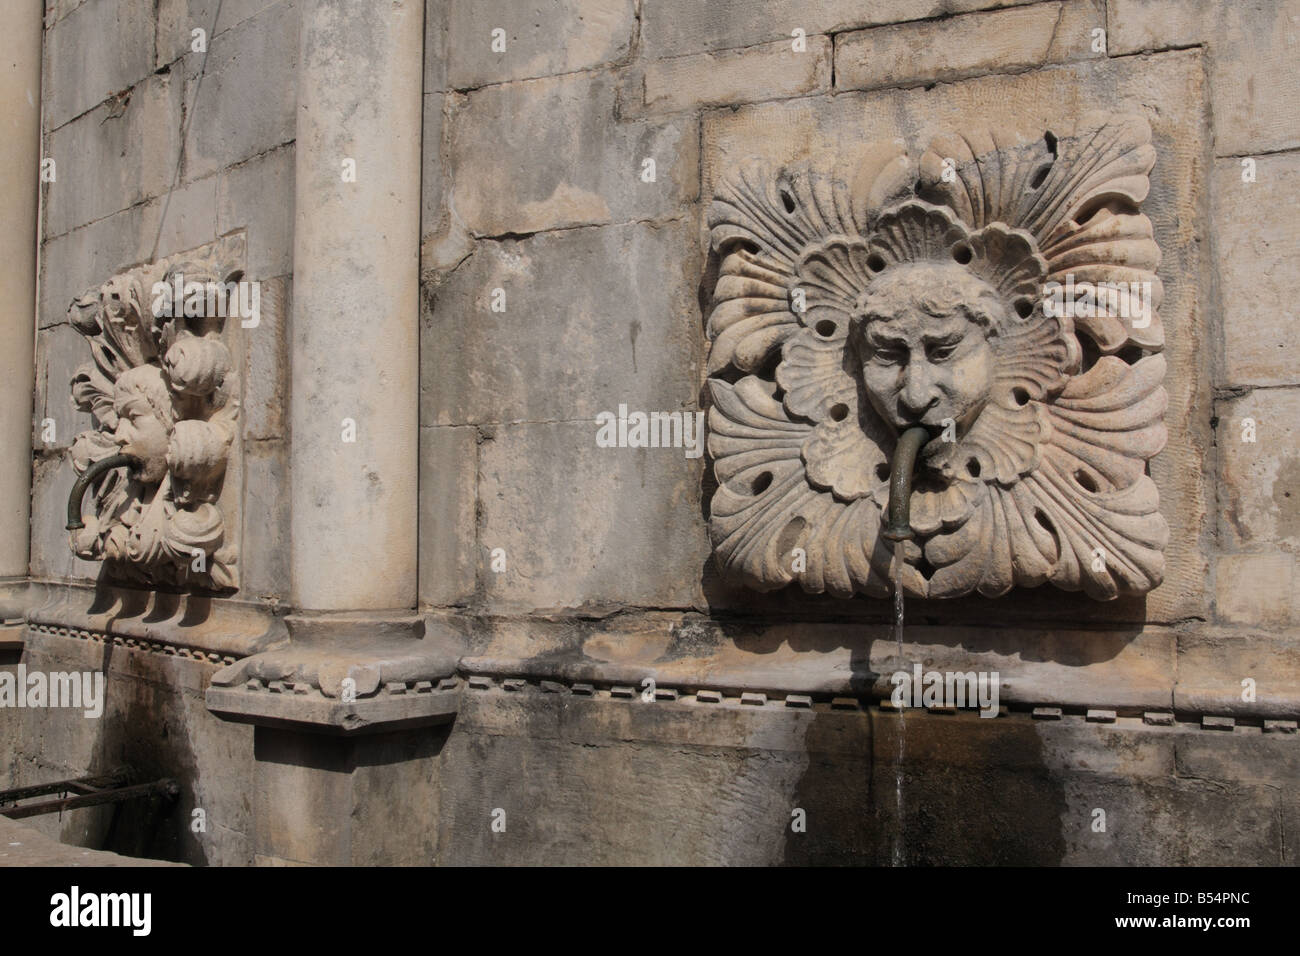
[355, 373]
[20, 153]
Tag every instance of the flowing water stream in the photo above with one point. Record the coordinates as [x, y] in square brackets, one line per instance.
[898, 859]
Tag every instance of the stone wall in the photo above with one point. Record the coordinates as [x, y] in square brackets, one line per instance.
[565, 272]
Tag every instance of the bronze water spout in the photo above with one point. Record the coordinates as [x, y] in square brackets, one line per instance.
[94, 471]
[898, 527]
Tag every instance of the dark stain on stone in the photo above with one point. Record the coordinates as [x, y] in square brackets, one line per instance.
[1286, 496]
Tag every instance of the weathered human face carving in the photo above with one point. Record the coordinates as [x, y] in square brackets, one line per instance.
[923, 344]
[144, 422]
[859, 297]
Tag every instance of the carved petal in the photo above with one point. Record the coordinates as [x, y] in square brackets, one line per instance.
[1110, 422]
[813, 377]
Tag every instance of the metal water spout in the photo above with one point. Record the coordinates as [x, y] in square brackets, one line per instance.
[94, 471]
[898, 525]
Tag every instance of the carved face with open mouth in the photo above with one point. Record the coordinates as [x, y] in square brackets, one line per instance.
[922, 337]
[857, 301]
[144, 420]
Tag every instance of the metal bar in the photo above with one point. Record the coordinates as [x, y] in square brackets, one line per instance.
[115, 779]
[165, 787]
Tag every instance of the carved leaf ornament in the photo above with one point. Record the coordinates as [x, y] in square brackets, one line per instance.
[159, 388]
[1001, 292]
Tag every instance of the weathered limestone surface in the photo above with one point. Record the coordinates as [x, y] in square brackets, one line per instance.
[612, 526]
[142, 689]
[1257, 589]
[567, 296]
[245, 102]
[540, 38]
[118, 154]
[1005, 41]
[1257, 231]
[594, 163]
[20, 149]
[449, 554]
[355, 346]
[676, 27]
[766, 72]
[1259, 490]
[1253, 46]
[92, 52]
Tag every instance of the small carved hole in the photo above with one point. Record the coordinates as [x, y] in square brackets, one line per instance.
[746, 245]
[826, 328]
[1020, 395]
[973, 467]
[876, 262]
[1046, 524]
[839, 412]
[787, 200]
[761, 483]
[1024, 307]
[961, 253]
[882, 472]
[1132, 354]
[1086, 481]
[789, 536]
[924, 567]
[1039, 176]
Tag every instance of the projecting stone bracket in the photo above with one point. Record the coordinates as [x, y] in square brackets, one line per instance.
[353, 675]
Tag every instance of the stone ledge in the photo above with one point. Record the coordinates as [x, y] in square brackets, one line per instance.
[304, 707]
[346, 674]
[188, 625]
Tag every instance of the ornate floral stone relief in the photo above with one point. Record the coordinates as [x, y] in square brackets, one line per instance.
[999, 292]
[161, 388]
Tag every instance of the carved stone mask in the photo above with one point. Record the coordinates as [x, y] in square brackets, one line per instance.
[922, 339]
[854, 303]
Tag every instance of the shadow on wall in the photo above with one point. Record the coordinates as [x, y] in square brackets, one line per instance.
[981, 796]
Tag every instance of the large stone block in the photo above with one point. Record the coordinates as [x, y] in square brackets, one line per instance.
[1258, 589]
[246, 102]
[114, 156]
[178, 19]
[1237, 672]
[264, 545]
[1003, 41]
[1259, 496]
[549, 153]
[257, 196]
[60, 351]
[96, 50]
[88, 256]
[585, 328]
[676, 27]
[584, 526]
[1257, 241]
[449, 554]
[433, 185]
[542, 38]
[835, 128]
[1253, 49]
[266, 363]
[767, 72]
